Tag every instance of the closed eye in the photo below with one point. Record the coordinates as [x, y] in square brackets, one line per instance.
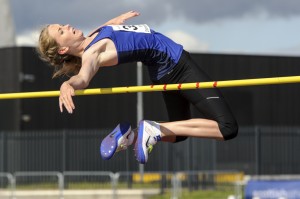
[60, 29]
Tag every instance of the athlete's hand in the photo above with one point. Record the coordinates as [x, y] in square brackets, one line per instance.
[65, 97]
[123, 17]
[117, 20]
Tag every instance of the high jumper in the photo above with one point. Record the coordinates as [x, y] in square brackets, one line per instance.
[71, 53]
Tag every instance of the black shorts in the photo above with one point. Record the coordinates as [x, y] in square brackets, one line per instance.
[209, 102]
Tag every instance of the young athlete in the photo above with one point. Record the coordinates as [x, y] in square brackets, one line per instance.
[71, 53]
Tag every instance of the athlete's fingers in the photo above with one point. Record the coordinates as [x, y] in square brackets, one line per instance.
[70, 102]
[60, 105]
[72, 93]
[134, 13]
[67, 106]
[129, 15]
[64, 102]
[66, 93]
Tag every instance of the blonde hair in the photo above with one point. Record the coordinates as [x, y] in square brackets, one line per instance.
[48, 51]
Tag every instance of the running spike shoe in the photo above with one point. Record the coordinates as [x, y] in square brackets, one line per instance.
[119, 139]
[148, 135]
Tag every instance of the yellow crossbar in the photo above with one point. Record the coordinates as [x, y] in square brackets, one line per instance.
[166, 87]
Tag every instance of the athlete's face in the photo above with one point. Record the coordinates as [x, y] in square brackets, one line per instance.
[65, 35]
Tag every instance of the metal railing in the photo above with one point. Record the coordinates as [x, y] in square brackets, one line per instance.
[93, 178]
[7, 182]
[25, 178]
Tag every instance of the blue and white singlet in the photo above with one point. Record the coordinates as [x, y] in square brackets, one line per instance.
[140, 43]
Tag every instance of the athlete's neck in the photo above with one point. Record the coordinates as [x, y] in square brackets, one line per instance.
[78, 49]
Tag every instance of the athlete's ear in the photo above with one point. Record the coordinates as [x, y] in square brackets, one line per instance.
[63, 50]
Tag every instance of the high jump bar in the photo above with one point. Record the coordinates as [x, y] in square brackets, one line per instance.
[161, 87]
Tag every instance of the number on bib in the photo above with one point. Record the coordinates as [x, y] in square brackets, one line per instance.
[143, 28]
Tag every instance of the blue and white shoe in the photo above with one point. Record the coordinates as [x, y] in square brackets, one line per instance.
[148, 135]
[119, 139]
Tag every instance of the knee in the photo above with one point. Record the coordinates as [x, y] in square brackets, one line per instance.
[180, 138]
[229, 130]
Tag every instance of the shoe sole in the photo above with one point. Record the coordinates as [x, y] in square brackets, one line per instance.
[141, 158]
[109, 144]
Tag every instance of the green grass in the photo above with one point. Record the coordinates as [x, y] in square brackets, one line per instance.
[220, 192]
[41, 186]
[203, 194]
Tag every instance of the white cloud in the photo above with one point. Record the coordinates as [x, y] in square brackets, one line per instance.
[28, 38]
[189, 42]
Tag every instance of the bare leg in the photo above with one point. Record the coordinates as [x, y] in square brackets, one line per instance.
[200, 128]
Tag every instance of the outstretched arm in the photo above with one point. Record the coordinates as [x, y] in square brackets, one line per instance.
[118, 20]
[80, 81]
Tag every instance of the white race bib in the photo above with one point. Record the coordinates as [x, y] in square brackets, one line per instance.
[143, 28]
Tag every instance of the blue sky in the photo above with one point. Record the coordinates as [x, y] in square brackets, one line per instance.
[213, 26]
